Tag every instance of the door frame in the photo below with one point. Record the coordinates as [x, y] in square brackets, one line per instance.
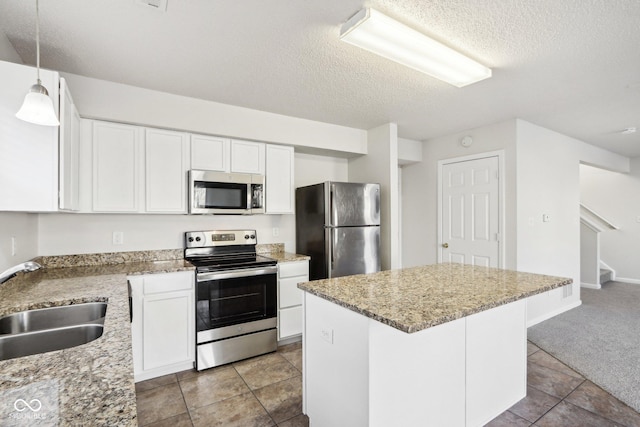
[500, 154]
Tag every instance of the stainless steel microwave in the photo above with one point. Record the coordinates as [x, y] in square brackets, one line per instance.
[225, 193]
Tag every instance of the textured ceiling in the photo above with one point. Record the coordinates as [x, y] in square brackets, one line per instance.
[569, 65]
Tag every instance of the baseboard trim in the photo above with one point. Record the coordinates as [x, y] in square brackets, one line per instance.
[551, 314]
[628, 280]
[590, 285]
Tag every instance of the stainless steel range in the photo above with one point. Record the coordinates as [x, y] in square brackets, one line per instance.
[236, 296]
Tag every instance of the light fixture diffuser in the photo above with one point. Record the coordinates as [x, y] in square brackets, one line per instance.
[377, 33]
[37, 107]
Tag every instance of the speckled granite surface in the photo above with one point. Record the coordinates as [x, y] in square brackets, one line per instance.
[414, 299]
[276, 251]
[91, 384]
[109, 258]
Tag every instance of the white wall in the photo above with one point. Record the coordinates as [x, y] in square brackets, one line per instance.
[615, 196]
[7, 52]
[419, 190]
[548, 182]
[66, 233]
[24, 228]
[380, 165]
[100, 99]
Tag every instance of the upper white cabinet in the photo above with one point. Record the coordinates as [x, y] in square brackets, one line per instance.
[29, 176]
[247, 157]
[279, 178]
[117, 172]
[166, 155]
[210, 153]
[69, 151]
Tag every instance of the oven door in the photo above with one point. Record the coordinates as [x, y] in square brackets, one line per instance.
[236, 302]
[219, 193]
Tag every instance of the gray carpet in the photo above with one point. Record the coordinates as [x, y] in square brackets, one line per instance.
[600, 339]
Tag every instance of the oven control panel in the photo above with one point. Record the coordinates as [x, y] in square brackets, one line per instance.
[203, 239]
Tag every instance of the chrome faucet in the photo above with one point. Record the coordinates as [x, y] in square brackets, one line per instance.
[25, 266]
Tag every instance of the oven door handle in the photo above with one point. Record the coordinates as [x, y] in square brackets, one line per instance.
[247, 272]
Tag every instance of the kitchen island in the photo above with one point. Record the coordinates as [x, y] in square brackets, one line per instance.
[438, 345]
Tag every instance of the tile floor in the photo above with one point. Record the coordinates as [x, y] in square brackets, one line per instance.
[267, 391]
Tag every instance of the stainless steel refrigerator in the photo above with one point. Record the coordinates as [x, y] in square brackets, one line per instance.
[338, 226]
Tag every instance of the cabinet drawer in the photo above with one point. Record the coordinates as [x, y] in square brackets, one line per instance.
[168, 282]
[289, 292]
[295, 268]
[289, 322]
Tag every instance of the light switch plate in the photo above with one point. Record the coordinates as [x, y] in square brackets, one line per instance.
[327, 335]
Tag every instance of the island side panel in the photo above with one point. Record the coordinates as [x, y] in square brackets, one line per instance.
[335, 365]
[417, 379]
[496, 365]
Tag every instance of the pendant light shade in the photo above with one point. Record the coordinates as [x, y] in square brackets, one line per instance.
[38, 107]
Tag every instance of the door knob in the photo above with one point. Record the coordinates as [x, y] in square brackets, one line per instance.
[445, 245]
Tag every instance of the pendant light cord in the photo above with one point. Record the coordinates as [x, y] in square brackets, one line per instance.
[38, 41]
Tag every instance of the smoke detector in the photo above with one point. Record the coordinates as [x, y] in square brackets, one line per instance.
[160, 5]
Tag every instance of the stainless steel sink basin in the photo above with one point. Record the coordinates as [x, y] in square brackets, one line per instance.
[28, 343]
[53, 317]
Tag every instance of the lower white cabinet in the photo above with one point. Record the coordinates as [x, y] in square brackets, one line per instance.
[163, 323]
[290, 297]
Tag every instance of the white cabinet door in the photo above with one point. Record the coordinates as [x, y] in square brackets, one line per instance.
[166, 157]
[290, 297]
[163, 325]
[69, 150]
[116, 167]
[247, 157]
[166, 338]
[210, 153]
[29, 152]
[279, 178]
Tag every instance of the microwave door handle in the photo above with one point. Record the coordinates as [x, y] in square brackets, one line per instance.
[249, 198]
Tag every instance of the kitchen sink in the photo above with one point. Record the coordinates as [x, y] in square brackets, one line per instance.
[53, 317]
[42, 341]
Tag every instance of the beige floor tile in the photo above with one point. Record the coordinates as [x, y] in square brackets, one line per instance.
[551, 381]
[182, 420]
[238, 411]
[264, 370]
[531, 348]
[543, 358]
[212, 386]
[592, 398]
[508, 419]
[282, 400]
[298, 421]
[535, 404]
[294, 356]
[566, 414]
[160, 403]
[155, 382]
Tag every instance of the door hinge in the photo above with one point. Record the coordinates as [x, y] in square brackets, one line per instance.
[497, 237]
[497, 174]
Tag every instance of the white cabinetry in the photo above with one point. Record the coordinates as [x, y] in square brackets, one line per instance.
[247, 156]
[290, 297]
[163, 324]
[29, 177]
[137, 169]
[69, 151]
[279, 179]
[210, 153]
[117, 172]
[166, 156]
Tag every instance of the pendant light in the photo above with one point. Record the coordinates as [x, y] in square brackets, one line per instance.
[37, 106]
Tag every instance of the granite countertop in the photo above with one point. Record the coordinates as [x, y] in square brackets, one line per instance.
[285, 256]
[414, 299]
[91, 384]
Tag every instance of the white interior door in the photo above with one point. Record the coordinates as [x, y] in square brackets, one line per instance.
[470, 217]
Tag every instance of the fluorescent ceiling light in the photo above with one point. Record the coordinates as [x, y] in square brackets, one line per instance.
[377, 33]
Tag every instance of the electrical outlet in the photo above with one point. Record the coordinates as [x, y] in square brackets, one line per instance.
[276, 231]
[327, 335]
[118, 237]
[14, 246]
[546, 218]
